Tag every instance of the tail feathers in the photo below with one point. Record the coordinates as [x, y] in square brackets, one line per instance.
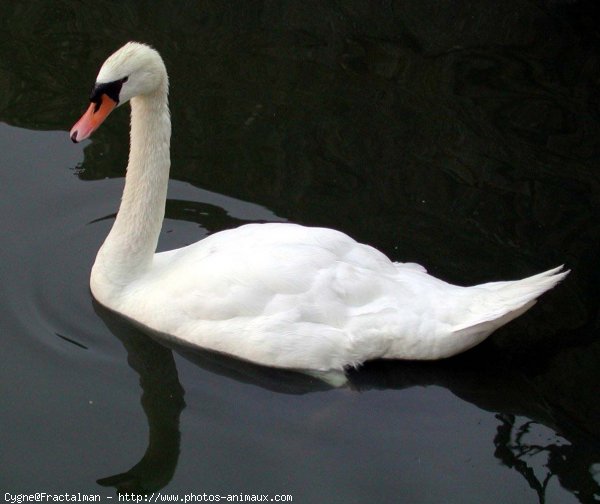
[497, 303]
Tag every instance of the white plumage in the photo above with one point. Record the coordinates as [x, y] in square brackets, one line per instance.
[280, 295]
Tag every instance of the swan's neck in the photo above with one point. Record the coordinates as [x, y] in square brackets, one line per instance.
[128, 250]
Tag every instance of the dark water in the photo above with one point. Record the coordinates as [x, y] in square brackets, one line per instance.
[461, 135]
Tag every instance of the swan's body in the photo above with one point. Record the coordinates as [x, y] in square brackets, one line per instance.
[281, 295]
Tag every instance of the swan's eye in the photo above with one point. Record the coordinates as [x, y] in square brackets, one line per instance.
[110, 89]
[124, 79]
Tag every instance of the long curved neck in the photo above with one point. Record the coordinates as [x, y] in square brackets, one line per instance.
[130, 246]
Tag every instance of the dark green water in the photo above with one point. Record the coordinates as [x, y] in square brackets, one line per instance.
[461, 135]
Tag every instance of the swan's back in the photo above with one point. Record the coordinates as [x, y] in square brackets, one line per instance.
[291, 296]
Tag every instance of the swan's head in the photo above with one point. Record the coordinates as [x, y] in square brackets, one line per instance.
[135, 69]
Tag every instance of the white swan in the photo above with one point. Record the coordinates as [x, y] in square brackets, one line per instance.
[280, 295]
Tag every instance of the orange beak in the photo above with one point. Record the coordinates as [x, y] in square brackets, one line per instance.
[92, 118]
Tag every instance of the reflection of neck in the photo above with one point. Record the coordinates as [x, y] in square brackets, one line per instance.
[162, 400]
[128, 250]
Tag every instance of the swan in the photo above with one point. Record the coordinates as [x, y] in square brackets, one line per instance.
[276, 294]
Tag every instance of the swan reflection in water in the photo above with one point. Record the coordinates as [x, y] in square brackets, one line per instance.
[488, 384]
